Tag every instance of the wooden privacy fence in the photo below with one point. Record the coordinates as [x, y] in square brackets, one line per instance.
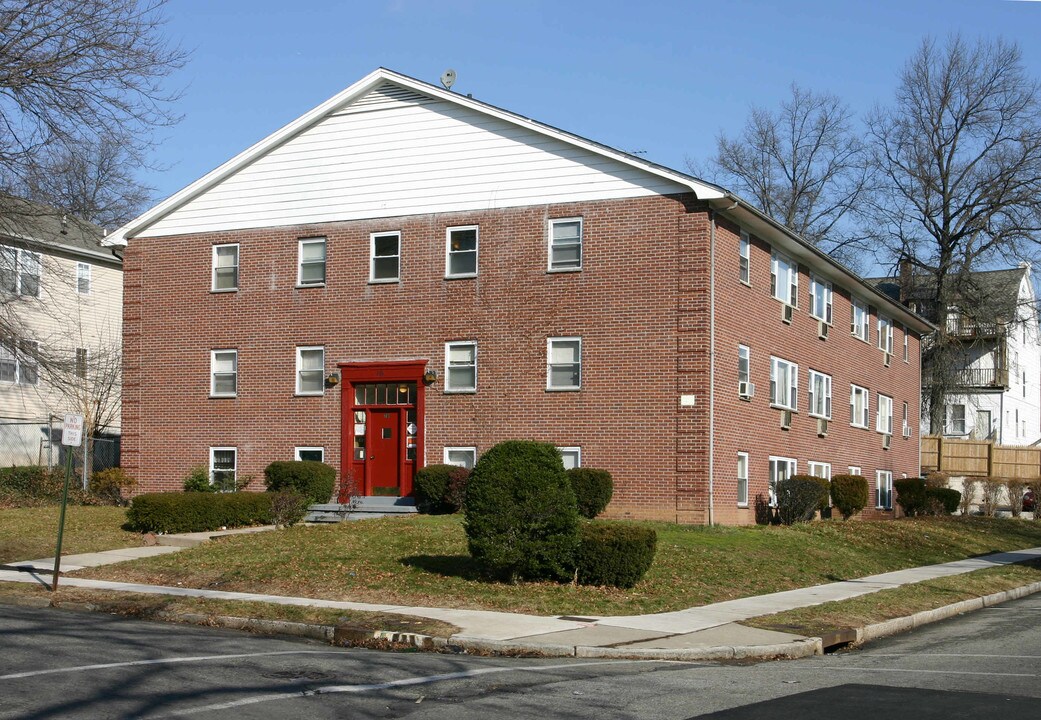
[980, 458]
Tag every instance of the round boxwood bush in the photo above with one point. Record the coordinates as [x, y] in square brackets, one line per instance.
[797, 499]
[593, 489]
[941, 500]
[440, 488]
[849, 493]
[910, 495]
[521, 515]
[614, 553]
[312, 479]
[825, 490]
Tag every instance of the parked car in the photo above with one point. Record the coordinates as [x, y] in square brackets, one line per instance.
[1029, 501]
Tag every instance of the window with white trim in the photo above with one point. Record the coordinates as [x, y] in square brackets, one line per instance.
[385, 257]
[19, 271]
[464, 457]
[225, 268]
[564, 363]
[83, 278]
[955, 421]
[223, 468]
[859, 399]
[784, 384]
[224, 372]
[310, 370]
[885, 334]
[571, 457]
[565, 245]
[744, 374]
[313, 454]
[461, 366]
[904, 426]
[907, 353]
[884, 417]
[860, 318]
[745, 258]
[18, 362]
[854, 469]
[883, 489]
[820, 299]
[784, 279]
[819, 469]
[461, 252]
[311, 262]
[820, 395]
[781, 468]
[742, 479]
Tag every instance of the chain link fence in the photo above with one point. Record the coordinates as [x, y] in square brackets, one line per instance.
[38, 442]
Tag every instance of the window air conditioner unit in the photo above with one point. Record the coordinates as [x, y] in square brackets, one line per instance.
[822, 330]
[746, 390]
[822, 427]
[907, 431]
[786, 420]
[787, 312]
[885, 441]
[886, 357]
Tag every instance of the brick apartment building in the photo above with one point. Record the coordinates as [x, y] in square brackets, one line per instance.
[406, 276]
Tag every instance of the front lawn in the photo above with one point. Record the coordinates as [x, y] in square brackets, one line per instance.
[31, 533]
[423, 561]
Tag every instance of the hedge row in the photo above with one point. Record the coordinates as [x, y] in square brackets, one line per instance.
[197, 511]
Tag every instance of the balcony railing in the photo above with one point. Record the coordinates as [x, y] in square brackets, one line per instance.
[993, 378]
[964, 327]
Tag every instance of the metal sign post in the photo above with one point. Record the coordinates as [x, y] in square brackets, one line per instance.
[71, 436]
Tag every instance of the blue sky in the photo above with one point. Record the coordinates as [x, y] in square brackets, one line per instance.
[659, 77]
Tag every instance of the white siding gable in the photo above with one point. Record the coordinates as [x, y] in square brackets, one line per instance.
[394, 151]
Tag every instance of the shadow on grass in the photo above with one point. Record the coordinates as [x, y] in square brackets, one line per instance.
[460, 566]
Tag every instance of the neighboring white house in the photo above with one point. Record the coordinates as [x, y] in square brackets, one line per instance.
[996, 393]
[61, 297]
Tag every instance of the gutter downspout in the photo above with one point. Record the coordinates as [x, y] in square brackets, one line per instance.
[711, 366]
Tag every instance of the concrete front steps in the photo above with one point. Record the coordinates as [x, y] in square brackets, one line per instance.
[366, 507]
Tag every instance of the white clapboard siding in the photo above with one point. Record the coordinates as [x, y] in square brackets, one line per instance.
[397, 152]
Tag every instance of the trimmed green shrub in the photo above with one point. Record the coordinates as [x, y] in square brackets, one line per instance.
[910, 495]
[593, 489]
[440, 489]
[941, 500]
[33, 481]
[197, 512]
[521, 514]
[849, 493]
[312, 479]
[613, 553]
[112, 485]
[198, 480]
[797, 499]
[825, 490]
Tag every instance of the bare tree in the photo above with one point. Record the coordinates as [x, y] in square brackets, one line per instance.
[957, 168]
[802, 165]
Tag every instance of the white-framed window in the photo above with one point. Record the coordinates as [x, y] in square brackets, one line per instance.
[225, 268]
[224, 373]
[223, 468]
[884, 489]
[904, 426]
[461, 251]
[565, 245]
[784, 279]
[885, 334]
[385, 257]
[570, 456]
[461, 366]
[854, 469]
[20, 271]
[465, 457]
[955, 419]
[859, 399]
[564, 363]
[315, 454]
[83, 278]
[745, 259]
[781, 468]
[81, 362]
[18, 362]
[311, 262]
[310, 370]
[907, 352]
[820, 395]
[884, 417]
[819, 469]
[820, 299]
[744, 368]
[742, 479]
[860, 318]
[784, 384]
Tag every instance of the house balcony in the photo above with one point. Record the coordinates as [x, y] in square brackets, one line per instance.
[976, 378]
[969, 329]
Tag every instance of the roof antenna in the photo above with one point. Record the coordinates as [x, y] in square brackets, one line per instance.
[448, 78]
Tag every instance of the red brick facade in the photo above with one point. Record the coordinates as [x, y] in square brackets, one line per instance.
[641, 305]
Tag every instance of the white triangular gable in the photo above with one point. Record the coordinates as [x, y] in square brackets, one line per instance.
[399, 147]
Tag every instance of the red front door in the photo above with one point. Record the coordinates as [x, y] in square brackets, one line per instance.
[384, 448]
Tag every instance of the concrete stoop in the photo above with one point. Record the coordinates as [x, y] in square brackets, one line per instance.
[364, 507]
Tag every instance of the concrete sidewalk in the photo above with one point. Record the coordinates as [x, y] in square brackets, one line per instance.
[707, 632]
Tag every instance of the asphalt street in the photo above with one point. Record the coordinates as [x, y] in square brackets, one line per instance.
[58, 664]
